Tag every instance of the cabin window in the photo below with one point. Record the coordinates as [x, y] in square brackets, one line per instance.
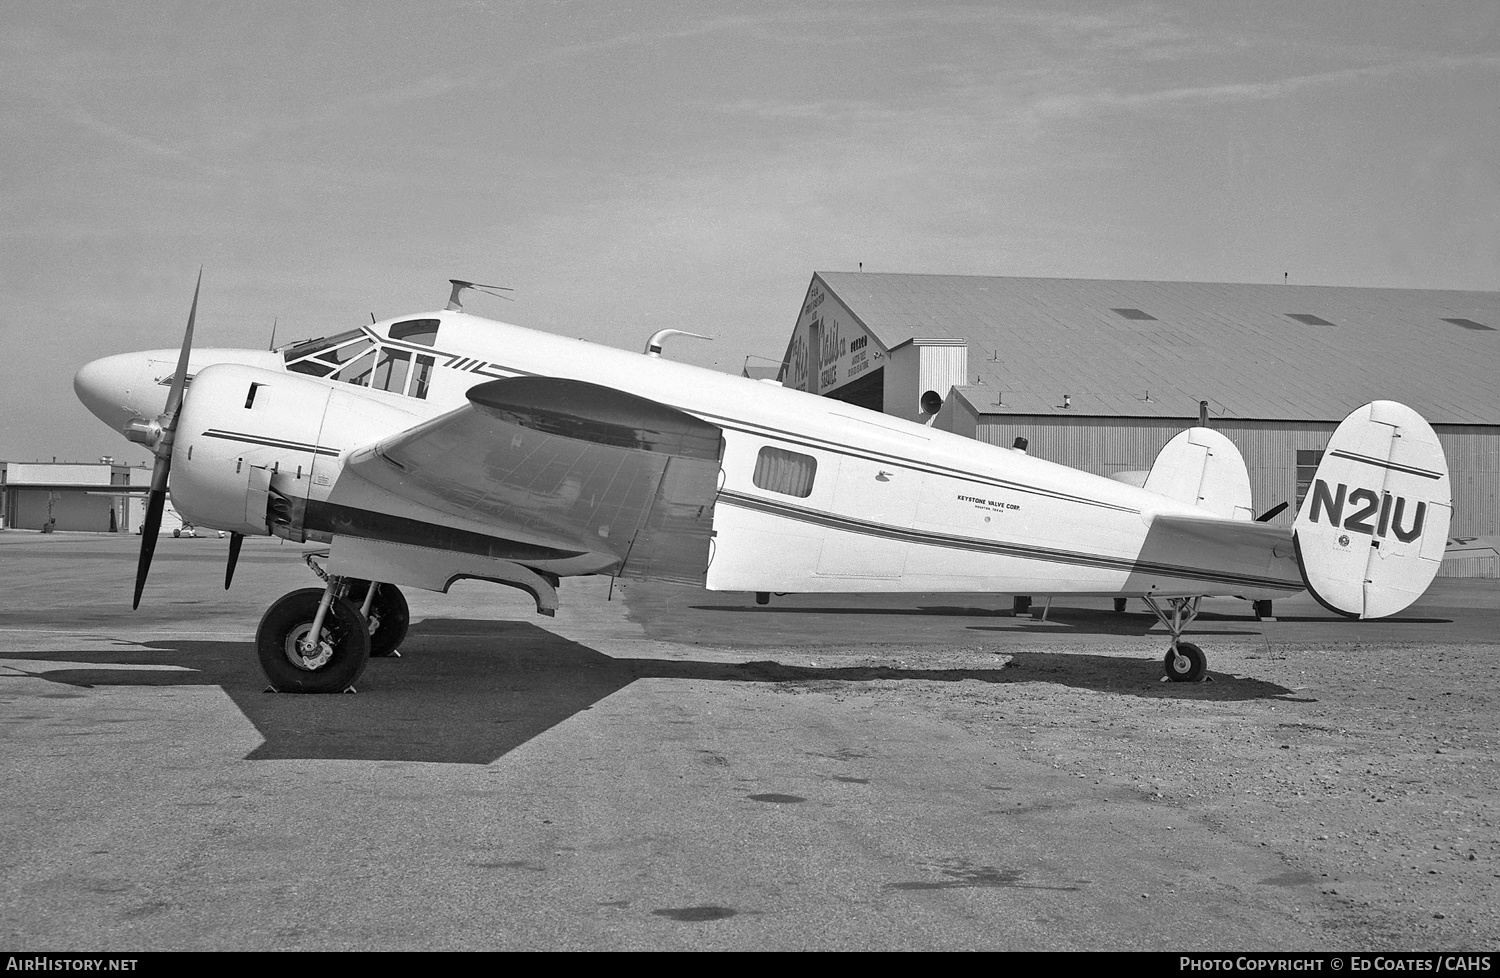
[785, 472]
[391, 369]
[422, 377]
[423, 331]
[1307, 467]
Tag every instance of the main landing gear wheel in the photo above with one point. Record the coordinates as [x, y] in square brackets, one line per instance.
[388, 617]
[1186, 664]
[294, 661]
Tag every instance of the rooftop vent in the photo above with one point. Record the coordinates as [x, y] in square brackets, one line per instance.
[1308, 319]
[1134, 314]
[1469, 324]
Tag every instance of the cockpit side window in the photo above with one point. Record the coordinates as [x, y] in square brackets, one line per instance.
[423, 331]
[391, 369]
[421, 379]
[357, 371]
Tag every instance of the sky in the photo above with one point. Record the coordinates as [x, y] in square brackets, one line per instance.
[629, 166]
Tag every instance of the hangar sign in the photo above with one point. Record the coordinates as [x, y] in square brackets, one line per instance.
[829, 348]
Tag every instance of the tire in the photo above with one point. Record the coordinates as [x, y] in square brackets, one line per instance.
[342, 655]
[388, 619]
[1191, 671]
[176, 533]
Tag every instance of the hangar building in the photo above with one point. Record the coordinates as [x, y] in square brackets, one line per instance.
[1098, 375]
[95, 496]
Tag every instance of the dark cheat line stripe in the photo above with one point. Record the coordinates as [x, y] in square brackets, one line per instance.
[1425, 473]
[247, 439]
[1069, 557]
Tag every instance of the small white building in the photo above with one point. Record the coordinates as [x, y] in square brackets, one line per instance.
[102, 496]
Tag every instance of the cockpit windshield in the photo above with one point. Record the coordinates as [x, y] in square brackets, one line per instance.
[325, 355]
[356, 358]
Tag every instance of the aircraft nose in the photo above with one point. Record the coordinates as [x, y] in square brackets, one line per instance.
[117, 389]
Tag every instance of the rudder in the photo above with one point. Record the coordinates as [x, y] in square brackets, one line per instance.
[1372, 528]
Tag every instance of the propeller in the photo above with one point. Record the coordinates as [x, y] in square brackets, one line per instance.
[1271, 513]
[157, 497]
[235, 539]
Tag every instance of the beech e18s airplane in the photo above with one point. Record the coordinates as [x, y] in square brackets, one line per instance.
[429, 448]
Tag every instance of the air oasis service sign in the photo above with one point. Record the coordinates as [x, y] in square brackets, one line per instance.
[823, 350]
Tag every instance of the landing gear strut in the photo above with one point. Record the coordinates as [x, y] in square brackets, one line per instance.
[1185, 662]
[319, 639]
[385, 608]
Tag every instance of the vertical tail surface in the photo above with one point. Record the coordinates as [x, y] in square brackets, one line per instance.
[1371, 531]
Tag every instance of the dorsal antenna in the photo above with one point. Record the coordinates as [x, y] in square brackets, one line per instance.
[455, 304]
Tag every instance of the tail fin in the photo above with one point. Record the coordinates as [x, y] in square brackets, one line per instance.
[1371, 531]
[1202, 467]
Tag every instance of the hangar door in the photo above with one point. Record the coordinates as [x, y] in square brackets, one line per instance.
[866, 392]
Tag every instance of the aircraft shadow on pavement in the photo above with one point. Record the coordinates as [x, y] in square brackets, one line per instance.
[468, 692]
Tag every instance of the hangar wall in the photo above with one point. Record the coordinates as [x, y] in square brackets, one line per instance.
[920, 366]
[72, 509]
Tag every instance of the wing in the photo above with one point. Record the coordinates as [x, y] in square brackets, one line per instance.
[556, 474]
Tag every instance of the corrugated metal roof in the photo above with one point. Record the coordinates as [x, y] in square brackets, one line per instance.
[1242, 348]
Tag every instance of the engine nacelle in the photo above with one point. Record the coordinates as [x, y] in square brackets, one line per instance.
[254, 445]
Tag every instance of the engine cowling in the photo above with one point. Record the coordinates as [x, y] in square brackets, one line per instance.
[243, 429]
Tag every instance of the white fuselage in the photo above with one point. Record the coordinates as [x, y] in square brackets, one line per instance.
[814, 494]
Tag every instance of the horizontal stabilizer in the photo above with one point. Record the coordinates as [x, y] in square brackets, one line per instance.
[1371, 531]
[1201, 467]
[1460, 548]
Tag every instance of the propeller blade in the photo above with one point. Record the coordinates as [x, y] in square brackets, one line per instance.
[1271, 513]
[163, 451]
[179, 379]
[235, 539]
[149, 530]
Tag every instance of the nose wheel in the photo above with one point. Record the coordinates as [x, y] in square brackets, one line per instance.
[311, 641]
[1184, 662]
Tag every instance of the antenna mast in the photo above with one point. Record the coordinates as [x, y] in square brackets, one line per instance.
[456, 305]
